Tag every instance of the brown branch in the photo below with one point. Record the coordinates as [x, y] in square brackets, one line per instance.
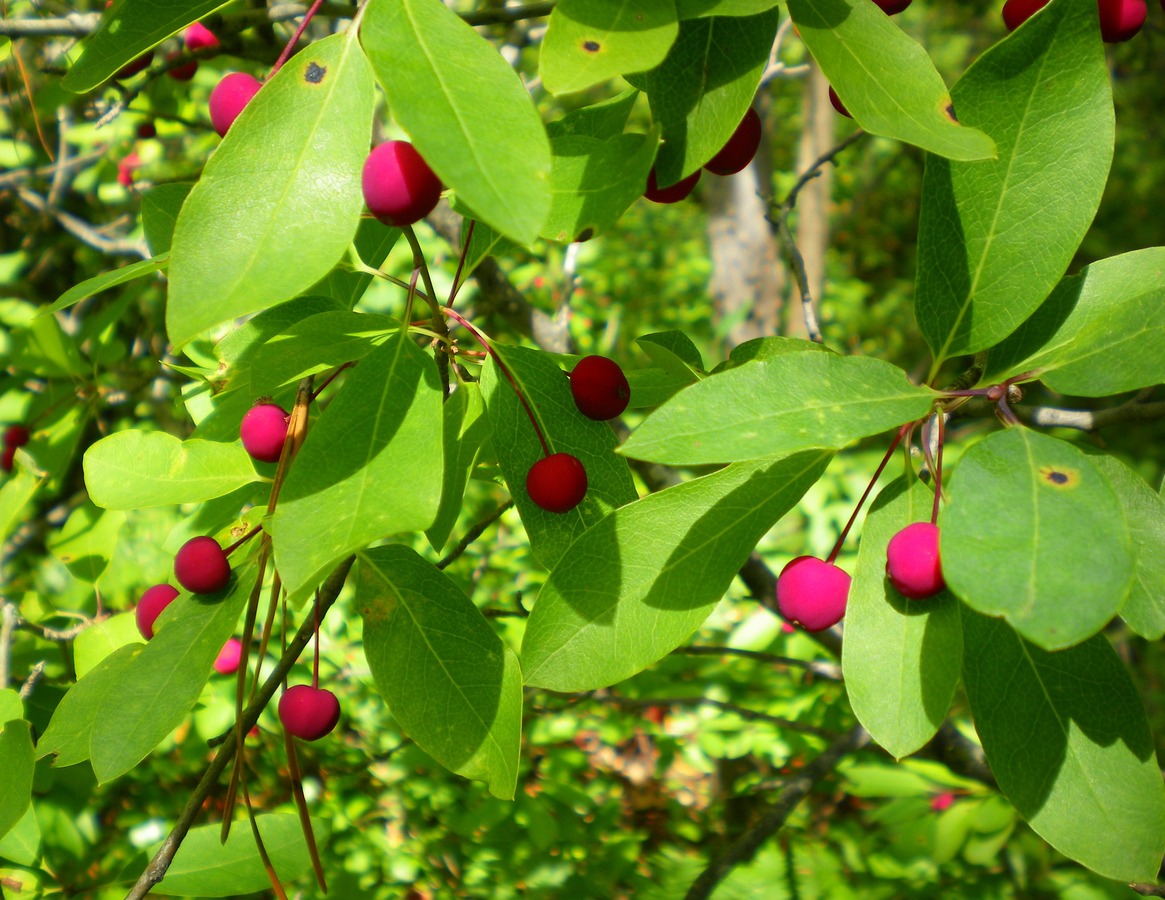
[473, 534]
[1134, 410]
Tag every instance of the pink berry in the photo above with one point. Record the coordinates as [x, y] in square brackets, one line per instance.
[229, 97]
[1016, 12]
[399, 186]
[16, 436]
[184, 72]
[912, 561]
[599, 388]
[198, 37]
[264, 431]
[1121, 19]
[892, 7]
[943, 801]
[201, 566]
[673, 193]
[229, 657]
[126, 167]
[153, 601]
[308, 713]
[812, 593]
[134, 66]
[557, 483]
[741, 147]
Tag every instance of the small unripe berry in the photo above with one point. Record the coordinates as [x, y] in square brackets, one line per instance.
[557, 483]
[16, 436]
[229, 657]
[812, 593]
[741, 147]
[264, 431]
[308, 713]
[1121, 19]
[201, 566]
[892, 7]
[837, 104]
[599, 388]
[198, 36]
[229, 97]
[673, 193]
[150, 606]
[399, 186]
[912, 561]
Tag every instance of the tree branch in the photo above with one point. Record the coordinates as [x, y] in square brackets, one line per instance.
[1135, 410]
[82, 230]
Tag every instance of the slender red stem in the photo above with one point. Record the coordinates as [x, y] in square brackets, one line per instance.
[246, 537]
[307, 17]
[332, 378]
[461, 263]
[869, 487]
[315, 669]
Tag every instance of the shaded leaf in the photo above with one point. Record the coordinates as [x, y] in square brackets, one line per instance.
[101, 639]
[86, 542]
[465, 429]
[604, 119]
[107, 280]
[16, 763]
[160, 207]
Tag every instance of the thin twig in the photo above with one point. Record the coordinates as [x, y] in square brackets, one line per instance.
[82, 230]
[29, 685]
[473, 534]
[828, 671]
[750, 715]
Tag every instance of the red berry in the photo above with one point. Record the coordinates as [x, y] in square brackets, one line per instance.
[126, 167]
[229, 657]
[557, 482]
[229, 97]
[912, 561]
[183, 72]
[147, 130]
[264, 431]
[399, 186]
[599, 388]
[837, 104]
[1121, 19]
[1016, 12]
[740, 149]
[8, 458]
[153, 601]
[673, 193]
[201, 566]
[198, 37]
[134, 66]
[812, 593]
[308, 713]
[16, 436]
[892, 7]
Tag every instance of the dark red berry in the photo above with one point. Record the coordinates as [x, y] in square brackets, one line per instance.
[673, 193]
[134, 66]
[1121, 19]
[198, 37]
[740, 149]
[201, 566]
[837, 104]
[912, 561]
[16, 436]
[147, 130]
[599, 388]
[399, 186]
[153, 601]
[308, 713]
[812, 593]
[229, 97]
[1016, 12]
[264, 431]
[229, 657]
[557, 482]
[8, 458]
[184, 72]
[892, 7]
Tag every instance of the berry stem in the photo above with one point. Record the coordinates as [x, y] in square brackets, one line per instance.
[331, 378]
[481, 339]
[439, 323]
[866, 493]
[938, 468]
[315, 668]
[246, 537]
[307, 17]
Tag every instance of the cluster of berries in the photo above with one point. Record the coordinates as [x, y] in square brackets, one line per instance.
[15, 436]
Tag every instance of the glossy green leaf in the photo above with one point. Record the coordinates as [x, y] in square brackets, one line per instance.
[107, 280]
[373, 242]
[547, 388]
[901, 658]
[127, 30]
[1034, 533]
[42, 348]
[160, 208]
[16, 493]
[702, 90]
[589, 42]
[1098, 333]
[886, 80]
[16, 762]
[790, 402]
[990, 244]
[372, 466]
[636, 585]
[766, 348]
[204, 866]
[674, 352]
[22, 844]
[1144, 510]
[653, 387]
[161, 684]
[136, 469]
[450, 681]
[102, 639]
[1081, 770]
[482, 243]
[87, 541]
[594, 182]
[604, 119]
[11, 706]
[280, 199]
[465, 429]
[691, 9]
[465, 109]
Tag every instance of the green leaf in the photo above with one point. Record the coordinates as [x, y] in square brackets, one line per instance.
[1068, 741]
[990, 245]
[482, 243]
[589, 42]
[15, 494]
[691, 9]
[465, 109]
[87, 541]
[22, 844]
[1098, 333]
[280, 199]
[636, 585]
[674, 352]
[594, 182]
[1034, 533]
[450, 681]
[11, 706]
[465, 429]
[16, 762]
[373, 242]
[135, 469]
[105, 281]
[790, 402]
[40, 347]
[161, 684]
[372, 466]
[1144, 510]
[547, 389]
[101, 639]
[702, 90]
[901, 658]
[204, 866]
[160, 208]
[127, 30]
[885, 78]
[604, 119]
